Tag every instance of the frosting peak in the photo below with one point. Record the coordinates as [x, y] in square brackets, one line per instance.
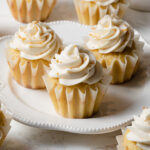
[111, 35]
[75, 65]
[36, 40]
[140, 130]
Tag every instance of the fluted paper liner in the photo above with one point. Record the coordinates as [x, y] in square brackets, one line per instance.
[90, 13]
[119, 139]
[31, 10]
[78, 101]
[122, 68]
[5, 119]
[28, 73]
[120, 142]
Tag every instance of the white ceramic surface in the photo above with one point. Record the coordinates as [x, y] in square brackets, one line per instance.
[33, 107]
[143, 5]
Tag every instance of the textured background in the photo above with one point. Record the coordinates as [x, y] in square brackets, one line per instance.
[65, 10]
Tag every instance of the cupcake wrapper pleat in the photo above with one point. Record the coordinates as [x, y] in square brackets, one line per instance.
[74, 102]
[122, 71]
[27, 73]
[119, 139]
[90, 12]
[120, 142]
[28, 11]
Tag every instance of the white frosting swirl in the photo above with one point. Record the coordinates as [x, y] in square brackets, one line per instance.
[140, 130]
[103, 2]
[75, 65]
[36, 41]
[111, 35]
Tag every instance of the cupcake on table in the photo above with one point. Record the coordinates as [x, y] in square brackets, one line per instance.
[5, 119]
[76, 83]
[91, 11]
[29, 53]
[116, 47]
[137, 136]
[30, 10]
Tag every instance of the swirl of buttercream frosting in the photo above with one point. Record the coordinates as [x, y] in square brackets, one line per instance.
[75, 65]
[36, 40]
[140, 130]
[111, 35]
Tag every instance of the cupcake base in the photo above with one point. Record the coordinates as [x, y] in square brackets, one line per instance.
[34, 10]
[78, 101]
[122, 66]
[89, 12]
[28, 73]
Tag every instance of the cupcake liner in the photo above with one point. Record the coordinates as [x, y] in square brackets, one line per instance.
[119, 139]
[120, 142]
[122, 71]
[26, 72]
[90, 12]
[78, 101]
[34, 10]
[4, 126]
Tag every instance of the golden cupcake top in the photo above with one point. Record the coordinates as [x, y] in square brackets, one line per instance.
[36, 40]
[111, 35]
[75, 65]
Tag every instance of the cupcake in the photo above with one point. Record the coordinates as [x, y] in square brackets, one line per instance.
[116, 47]
[76, 83]
[91, 11]
[4, 123]
[136, 136]
[31, 10]
[30, 52]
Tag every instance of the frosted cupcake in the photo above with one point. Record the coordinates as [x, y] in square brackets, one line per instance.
[29, 53]
[136, 136]
[91, 11]
[31, 10]
[76, 83]
[116, 47]
[4, 123]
